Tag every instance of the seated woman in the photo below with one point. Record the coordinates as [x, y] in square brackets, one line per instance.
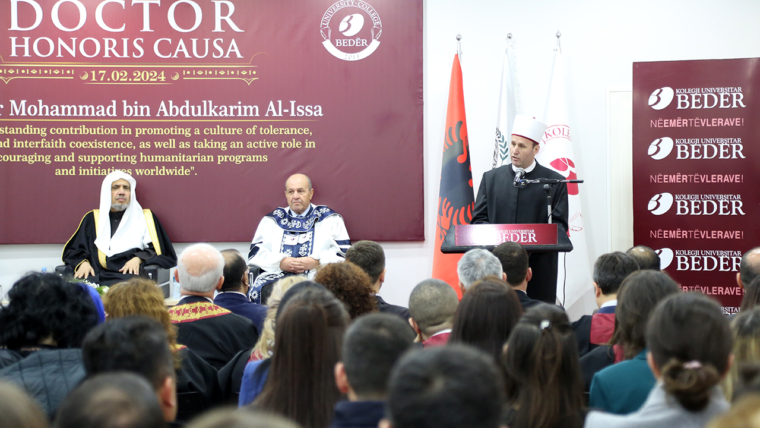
[689, 343]
[265, 345]
[541, 374]
[623, 387]
[486, 316]
[197, 384]
[309, 335]
[231, 375]
[41, 333]
[351, 285]
[746, 330]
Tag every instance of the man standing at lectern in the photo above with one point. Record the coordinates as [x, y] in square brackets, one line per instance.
[504, 198]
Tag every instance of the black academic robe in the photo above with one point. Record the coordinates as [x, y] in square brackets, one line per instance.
[82, 247]
[198, 388]
[212, 332]
[499, 202]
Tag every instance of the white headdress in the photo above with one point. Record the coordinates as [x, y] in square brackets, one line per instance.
[528, 127]
[133, 229]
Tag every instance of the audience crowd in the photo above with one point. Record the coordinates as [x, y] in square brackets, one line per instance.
[331, 353]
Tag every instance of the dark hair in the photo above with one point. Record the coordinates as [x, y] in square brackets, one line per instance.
[639, 294]
[611, 269]
[690, 342]
[514, 262]
[308, 339]
[350, 285]
[135, 344]
[451, 386]
[122, 400]
[646, 257]
[296, 290]
[371, 347]
[18, 409]
[43, 306]
[240, 418]
[751, 297]
[234, 269]
[542, 373]
[432, 305]
[486, 316]
[749, 269]
[369, 256]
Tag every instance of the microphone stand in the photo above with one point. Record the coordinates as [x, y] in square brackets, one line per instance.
[548, 183]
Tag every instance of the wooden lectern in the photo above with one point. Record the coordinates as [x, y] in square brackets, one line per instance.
[534, 237]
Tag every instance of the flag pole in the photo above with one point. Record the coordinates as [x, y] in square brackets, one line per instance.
[559, 46]
[459, 47]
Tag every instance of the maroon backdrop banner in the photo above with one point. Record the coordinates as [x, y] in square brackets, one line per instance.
[695, 169]
[211, 105]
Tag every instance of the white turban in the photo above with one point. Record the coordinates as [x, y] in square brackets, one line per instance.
[133, 229]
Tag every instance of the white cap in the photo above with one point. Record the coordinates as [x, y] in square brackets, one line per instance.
[528, 127]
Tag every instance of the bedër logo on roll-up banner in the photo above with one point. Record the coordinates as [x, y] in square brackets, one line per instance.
[697, 204]
[729, 97]
[666, 257]
[351, 30]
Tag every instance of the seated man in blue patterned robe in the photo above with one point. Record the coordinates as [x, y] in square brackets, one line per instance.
[297, 239]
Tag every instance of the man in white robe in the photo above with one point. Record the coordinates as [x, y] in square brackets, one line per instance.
[297, 239]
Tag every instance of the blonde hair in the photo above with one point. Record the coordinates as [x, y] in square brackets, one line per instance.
[140, 296]
[746, 330]
[266, 338]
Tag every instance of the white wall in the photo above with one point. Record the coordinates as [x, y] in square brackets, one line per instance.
[600, 41]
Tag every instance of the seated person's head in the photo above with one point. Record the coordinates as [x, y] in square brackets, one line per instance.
[749, 268]
[486, 316]
[111, 400]
[432, 306]
[140, 296]
[542, 372]
[609, 272]
[475, 265]
[265, 344]
[43, 309]
[235, 272]
[744, 413]
[18, 409]
[134, 344]
[639, 294]
[200, 269]
[351, 285]
[744, 372]
[370, 257]
[751, 297]
[451, 386]
[514, 263]
[309, 332]
[240, 418]
[371, 347]
[646, 257]
[689, 343]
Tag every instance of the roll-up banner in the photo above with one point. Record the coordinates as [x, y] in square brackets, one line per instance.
[695, 169]
[211, 105]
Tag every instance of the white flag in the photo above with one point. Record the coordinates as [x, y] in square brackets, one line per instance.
[508, 108]
[574, 283]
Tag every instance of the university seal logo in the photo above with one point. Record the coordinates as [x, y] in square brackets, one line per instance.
[351, 30]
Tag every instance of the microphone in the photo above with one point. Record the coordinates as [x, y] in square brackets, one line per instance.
[518, 178]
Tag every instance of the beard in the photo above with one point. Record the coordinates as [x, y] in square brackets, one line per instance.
[119, 207]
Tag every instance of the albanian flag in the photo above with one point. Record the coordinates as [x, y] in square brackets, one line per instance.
[455, 198]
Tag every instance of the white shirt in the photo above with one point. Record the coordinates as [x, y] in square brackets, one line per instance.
[528, 169]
